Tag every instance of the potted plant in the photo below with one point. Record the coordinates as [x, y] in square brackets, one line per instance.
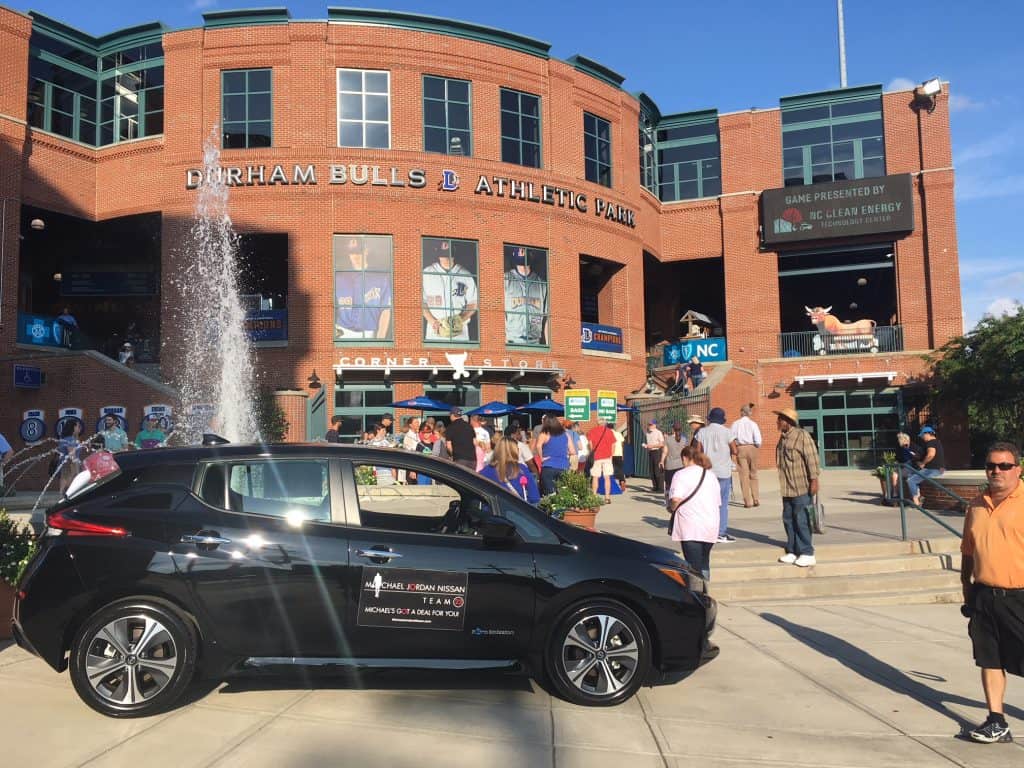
[16, 548]
[573, 500]
[884, 473]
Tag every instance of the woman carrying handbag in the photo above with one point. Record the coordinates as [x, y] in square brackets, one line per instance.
[693, 500]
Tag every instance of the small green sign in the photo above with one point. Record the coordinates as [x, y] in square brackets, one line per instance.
[607, 401]
[577, 404]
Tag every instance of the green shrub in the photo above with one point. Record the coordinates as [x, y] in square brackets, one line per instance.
[16, 548]
[572, 491]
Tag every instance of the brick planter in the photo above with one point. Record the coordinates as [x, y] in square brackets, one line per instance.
[966, 483]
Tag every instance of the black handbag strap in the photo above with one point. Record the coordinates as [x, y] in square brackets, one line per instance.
[672, 519]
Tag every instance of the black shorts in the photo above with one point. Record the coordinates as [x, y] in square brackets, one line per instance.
[617, 469]
[997, 628]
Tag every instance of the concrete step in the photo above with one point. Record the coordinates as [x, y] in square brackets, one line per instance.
[811, 586]
[731, 554]
[732, 574]
[908, 597]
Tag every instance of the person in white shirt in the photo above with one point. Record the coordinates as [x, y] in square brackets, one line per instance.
[654, 443]
[582, 446]
[747, 435]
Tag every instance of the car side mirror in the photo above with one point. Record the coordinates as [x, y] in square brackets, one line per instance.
[497, 530]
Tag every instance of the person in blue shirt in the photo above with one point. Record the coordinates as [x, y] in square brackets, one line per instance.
[363, 298]
[506, 470]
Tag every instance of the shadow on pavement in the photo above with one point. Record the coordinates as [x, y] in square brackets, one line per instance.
[882, 674]
[760, 538]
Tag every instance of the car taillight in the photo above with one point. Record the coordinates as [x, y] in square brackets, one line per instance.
[72, 527]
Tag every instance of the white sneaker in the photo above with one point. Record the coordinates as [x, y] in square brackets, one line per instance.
[789, 558]
[805, 560]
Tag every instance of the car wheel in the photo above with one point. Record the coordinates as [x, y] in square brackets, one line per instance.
[133, 658]
[598, 654]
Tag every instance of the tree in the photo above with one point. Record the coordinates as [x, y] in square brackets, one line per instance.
[983, 372]
[270, 418]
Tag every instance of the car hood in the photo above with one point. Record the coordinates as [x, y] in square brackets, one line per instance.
[619, 546]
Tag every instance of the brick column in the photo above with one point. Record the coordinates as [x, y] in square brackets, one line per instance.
[293, 403]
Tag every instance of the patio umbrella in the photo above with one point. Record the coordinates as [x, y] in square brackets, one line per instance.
[420, 403]
[547, 405]
[494, 408]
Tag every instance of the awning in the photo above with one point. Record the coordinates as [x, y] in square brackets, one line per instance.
[859, 377]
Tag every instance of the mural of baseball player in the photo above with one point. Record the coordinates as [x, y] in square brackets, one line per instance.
[526, 296]
[362, 287]
[449, 290]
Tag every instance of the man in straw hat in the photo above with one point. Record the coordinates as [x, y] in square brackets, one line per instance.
[796, 456]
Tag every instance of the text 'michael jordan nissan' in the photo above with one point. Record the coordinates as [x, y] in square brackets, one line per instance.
[170, 563]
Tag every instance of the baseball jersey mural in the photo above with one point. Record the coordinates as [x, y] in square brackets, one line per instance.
[526, 296]
[449, 290]
[362, 287]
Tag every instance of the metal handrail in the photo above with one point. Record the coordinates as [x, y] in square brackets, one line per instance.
[904, 503]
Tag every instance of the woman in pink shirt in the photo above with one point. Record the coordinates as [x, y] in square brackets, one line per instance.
[695, 497]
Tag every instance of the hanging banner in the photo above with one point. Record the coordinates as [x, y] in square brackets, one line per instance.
[33, 426]
[119, 412]
[577, 404]
[162, 413]
[607, 404]
[65, 415]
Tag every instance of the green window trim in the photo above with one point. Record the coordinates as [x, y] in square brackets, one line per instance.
[363, 413]
[521, 128]
[531, 290]
[357, 129]
[688, 156]
[597, 149]
[247, 108]
[450, 295]
[438, 129]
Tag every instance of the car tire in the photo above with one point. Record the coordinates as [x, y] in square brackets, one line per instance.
[133, 658]
[584, 668]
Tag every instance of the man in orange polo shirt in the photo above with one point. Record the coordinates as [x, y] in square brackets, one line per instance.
[992, 574]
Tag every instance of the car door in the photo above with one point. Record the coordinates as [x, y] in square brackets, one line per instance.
[265, 563]
[420, 589]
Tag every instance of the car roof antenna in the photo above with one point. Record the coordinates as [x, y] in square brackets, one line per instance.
[211, 439]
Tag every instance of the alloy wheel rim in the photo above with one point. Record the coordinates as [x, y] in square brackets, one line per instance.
[600, 655]
[130, 660]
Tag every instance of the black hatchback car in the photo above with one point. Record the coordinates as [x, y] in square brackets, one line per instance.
[237, 557]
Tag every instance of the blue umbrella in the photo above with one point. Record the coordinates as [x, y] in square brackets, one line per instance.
[420, 403]
[546, 405]
[494, 408]
[618, 407]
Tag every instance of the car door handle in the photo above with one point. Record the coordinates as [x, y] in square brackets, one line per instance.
[204, 539]
[377, 554]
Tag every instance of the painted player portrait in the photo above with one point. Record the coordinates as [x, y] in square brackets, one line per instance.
[362, 287]
[450, 297]
[526, 296]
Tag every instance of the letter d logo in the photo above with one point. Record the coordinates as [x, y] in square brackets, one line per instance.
[449, 181]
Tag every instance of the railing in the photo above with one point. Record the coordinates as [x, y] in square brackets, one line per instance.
[666, 411]
[884, 338]
[900, 470]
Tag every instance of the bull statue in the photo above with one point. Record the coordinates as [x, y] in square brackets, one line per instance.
[829, 323]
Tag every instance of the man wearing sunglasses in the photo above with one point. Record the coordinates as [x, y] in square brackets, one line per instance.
[992, 573]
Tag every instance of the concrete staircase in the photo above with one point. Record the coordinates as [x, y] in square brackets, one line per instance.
[863, 573]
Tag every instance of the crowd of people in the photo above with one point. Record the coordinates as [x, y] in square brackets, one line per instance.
[72, 450]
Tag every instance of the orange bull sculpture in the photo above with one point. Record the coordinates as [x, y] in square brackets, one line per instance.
[829, 323]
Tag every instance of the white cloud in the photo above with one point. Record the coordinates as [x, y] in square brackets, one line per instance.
[990, 147]
[901, 84]
[201, 5]
[961, 102]
[1002, 306]
[983, 188]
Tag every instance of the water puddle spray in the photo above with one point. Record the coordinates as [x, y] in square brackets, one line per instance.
[216, 367]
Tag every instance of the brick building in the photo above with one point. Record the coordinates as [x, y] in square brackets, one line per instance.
[409, 191]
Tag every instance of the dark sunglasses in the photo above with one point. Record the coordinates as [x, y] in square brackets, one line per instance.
[1004, 466]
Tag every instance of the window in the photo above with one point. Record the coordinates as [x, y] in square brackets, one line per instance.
[294, 489]
[833, 137]
[689, 157]
[450, 291]
[520, 396]
[648, 169]
[597, 149]
[421, 504]
[131, 105]
[263, 285]
[360, 407]
[363, 278]
[526, 296]
[447, 124]
[246, 108]
[520, 128]
[364, 108]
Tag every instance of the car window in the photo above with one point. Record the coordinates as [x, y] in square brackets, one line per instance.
[294, 489]
[397, 499]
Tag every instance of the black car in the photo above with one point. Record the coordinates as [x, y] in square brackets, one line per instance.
[237, 557]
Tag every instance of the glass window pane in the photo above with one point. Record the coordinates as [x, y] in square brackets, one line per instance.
[378, 398]
[458, 90]
[350, 135]
[689, 190]
[858, 400]
[821, 173]
[844, 171]
[857, 130]
[604, 153]
[531, 155]
[62, 124]
[591, 171]
[874, 167]
[873, 147]
[434, 140]
[351, 106]
[842, 150]
[806, 136]
[377, 136]
[377, 82]
[531, 129]
[458, 116]
[833, 401]
[667, 193]
[234, 108]
[835, 458]
[433, 113]
[510, 151]
[859, 422]
[794, 177]
[259, 80]
[234, 82]
[347, 398]
[712, 187]
[509, 125]
[862, 107]
[790, 116]
[467, 144]
[349, 80]
[154, 123]
[509, 100]
[530, 105]
[433, 88]
[259, 106]
[821, 153]
[259, 134]
[377, 108]
[686, 171]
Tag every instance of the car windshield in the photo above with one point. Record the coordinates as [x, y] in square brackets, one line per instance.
[98, 469]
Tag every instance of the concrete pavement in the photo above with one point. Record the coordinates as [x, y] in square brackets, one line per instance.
[794, 685]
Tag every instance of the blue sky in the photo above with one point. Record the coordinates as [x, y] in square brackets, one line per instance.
[734, 55]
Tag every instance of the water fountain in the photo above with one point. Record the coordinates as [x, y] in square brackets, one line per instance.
[216, 369]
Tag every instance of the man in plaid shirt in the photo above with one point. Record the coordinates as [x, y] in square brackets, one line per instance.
[796, 456]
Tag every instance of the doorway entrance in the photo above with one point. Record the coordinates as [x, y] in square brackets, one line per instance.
[852, 429]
